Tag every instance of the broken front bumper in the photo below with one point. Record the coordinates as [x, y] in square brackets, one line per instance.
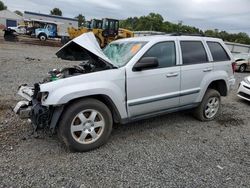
[31, 108]
[23, 108]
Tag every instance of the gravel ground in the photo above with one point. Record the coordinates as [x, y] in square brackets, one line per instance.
[169, 151]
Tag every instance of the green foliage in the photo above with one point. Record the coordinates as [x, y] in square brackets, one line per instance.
[152, 22]
[2, 6]
[56, 11]
[81, 20]
[155, 22]
[18, 12]
[241, 37]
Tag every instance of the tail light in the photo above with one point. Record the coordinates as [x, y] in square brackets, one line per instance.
[233, 67]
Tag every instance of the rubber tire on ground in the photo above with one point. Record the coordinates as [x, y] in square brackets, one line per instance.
[199, 112]
[242, 68]
[42, 35]
[71, 111]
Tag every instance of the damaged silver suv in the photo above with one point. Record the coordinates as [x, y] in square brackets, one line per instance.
[131, 79]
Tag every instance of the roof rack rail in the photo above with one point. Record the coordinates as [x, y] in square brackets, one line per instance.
[186, 34]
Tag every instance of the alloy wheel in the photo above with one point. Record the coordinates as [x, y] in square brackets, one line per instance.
[212, 107]
[87, 126]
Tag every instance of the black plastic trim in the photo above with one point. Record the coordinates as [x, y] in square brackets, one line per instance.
[158, 113]
[164, 97]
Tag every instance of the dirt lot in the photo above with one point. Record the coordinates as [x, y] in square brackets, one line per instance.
[169, 151]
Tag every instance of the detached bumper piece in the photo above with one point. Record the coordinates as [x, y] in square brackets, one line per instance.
[31, 108]
[244, 91]
[23, 109]
[40, 116]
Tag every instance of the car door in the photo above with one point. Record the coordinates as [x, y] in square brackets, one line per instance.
[157, 89]
[195, 66]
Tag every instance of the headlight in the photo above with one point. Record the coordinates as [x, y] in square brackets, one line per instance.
[246, 80]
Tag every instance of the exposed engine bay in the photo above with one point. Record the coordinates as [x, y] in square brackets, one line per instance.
[41, 116]
[84, 49]
[85, 67]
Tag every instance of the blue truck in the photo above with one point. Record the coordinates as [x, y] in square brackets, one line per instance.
[49, 31]
[52, 31]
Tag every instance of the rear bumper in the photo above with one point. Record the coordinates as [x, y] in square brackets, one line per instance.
[244, 91]
[231, 83]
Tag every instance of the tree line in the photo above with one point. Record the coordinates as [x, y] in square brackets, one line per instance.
[155, 22]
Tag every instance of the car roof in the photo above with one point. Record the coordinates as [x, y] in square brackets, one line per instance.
[157, 38]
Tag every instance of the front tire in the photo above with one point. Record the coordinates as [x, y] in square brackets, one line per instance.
[85, 125]
[42, 37]
[209, 106]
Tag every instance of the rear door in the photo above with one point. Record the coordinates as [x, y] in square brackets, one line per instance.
[157, 89]
[195, 66]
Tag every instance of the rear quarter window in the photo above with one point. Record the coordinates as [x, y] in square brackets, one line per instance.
[218, 52]
[193, 52]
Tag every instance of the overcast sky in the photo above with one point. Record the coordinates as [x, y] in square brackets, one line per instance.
[230, 15]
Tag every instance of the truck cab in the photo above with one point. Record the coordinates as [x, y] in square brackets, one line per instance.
[48, 31]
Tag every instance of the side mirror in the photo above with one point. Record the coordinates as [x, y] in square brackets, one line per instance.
[146, 63]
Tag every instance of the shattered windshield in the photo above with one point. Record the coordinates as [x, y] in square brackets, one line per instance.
[120, 53]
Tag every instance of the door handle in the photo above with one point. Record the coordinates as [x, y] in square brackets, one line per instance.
[174, 74]
[207, 70]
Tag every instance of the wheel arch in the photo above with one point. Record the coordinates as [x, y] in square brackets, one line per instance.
[103, 98]
[220, 86]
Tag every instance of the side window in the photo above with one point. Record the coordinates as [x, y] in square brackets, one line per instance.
[112, 25]
[164, 52]
[193, 52]
[218, 52]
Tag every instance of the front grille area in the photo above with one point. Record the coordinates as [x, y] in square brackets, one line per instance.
[244, 95]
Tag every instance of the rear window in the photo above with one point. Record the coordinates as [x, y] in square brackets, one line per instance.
[218, 52]
[193, 52]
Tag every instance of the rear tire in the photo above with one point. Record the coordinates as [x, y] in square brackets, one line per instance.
[209, 106]
[242, 68]
[85, 125]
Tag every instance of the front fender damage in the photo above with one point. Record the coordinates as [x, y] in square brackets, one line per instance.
[31, 108]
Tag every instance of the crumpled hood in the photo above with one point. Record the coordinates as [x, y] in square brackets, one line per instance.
[81, 48]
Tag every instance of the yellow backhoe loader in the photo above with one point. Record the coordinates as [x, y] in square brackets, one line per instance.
[105, 31]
